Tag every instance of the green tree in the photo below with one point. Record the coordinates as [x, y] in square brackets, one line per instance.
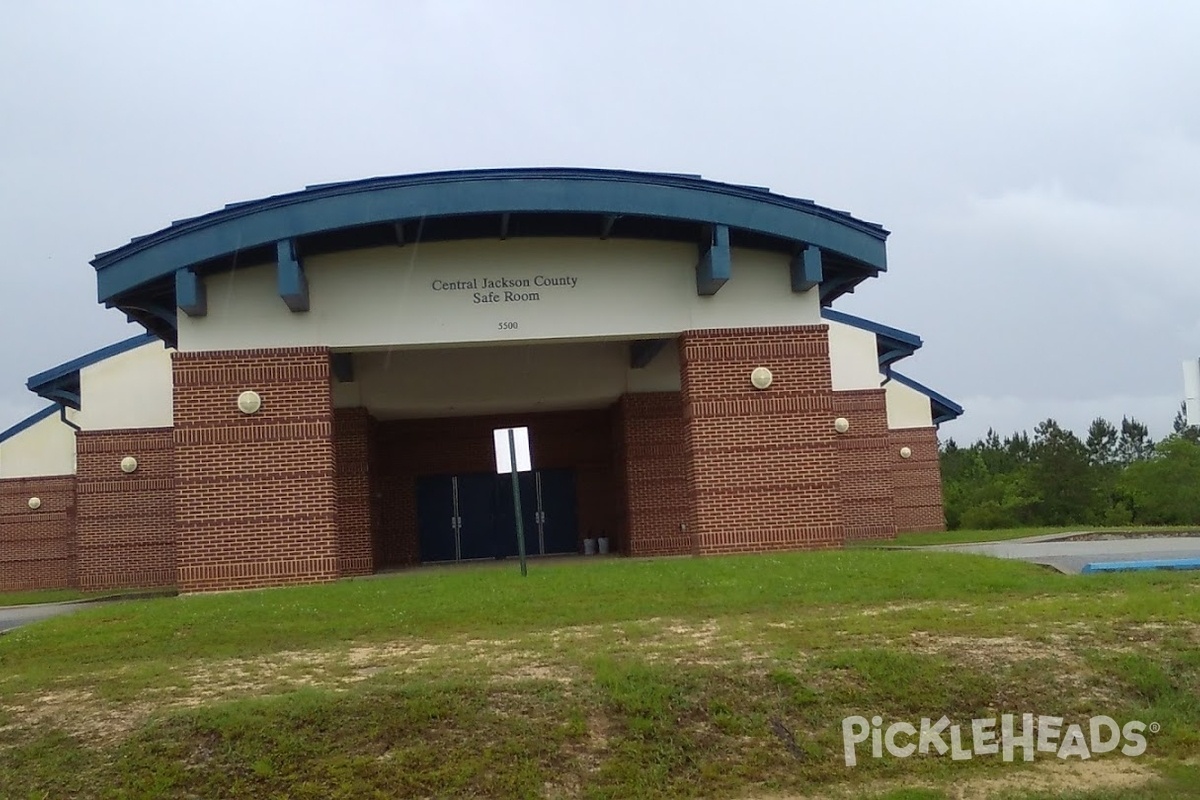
[1134, 442]
[986, 485]
[1181, 427]
[1063, 476]
[1165, 490]
[1102, 442]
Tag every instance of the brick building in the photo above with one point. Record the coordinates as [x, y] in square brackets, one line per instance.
[320, 374]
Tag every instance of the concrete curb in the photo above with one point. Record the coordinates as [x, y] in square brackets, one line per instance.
[107, 598]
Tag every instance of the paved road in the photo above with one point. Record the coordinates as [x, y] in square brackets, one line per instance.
[16, 616]
[1070, 557]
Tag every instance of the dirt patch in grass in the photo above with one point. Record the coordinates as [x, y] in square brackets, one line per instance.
[985, 652]
[79, 713]
[899, 608]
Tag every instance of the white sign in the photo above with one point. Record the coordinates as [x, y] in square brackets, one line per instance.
[504, 463]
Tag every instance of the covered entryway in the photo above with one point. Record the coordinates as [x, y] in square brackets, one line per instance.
[470, 516]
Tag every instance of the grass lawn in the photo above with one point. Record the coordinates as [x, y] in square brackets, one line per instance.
[606, 678]
[964, 537]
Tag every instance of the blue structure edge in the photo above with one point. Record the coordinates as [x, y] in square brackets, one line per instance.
[1139, 566]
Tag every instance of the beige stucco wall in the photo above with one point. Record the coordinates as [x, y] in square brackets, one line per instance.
[45, 448]
[907, 408]
[434, 293]
[130, 390]
[484, 380]
[854, 360]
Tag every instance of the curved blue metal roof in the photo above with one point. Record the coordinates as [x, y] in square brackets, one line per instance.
[602, 203]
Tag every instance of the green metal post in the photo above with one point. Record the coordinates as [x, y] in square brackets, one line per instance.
[512, 455]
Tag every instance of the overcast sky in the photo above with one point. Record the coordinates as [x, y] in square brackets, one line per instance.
[1038, 163]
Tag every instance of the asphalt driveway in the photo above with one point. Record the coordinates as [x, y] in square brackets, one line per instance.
[1070, 557]
[16, 616]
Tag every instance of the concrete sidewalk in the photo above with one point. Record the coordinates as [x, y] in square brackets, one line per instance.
[1070, 557]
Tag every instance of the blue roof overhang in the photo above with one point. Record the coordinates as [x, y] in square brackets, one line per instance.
[61, 384]
[29, 422]
[943, 408]
[892, 344]
[140, 277]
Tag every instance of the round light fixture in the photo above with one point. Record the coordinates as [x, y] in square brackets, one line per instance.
[841, 424]
[35, 503]
[249, 402]
[129, 465]
[761, 377]
[905, 452]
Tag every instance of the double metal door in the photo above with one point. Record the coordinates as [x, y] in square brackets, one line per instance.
[462, 517]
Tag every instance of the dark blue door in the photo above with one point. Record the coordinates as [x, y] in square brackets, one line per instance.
[560, 525]
[435, 517]
[471, 516]
[476, 510]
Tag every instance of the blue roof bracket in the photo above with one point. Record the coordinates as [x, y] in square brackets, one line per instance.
[289, 272]
[162, 313]
[607, 226]
[190, 294]
[835, 286]
[713, 269]
[806, 269]
[643, 351]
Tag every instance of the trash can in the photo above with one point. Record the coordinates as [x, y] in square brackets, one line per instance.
[603, 545]
[589, 547]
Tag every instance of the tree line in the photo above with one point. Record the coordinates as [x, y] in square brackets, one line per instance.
[1118, 475]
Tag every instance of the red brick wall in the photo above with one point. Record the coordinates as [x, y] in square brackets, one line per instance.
[125, 523]
[351, 446]
[655, 494]
[37, 548]
[407, 449]
[256, 492]
[762, 465]
[917, 480]
[864, 465]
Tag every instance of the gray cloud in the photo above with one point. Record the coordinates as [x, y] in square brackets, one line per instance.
[1038, 163]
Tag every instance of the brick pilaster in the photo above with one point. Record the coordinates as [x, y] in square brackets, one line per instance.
[917, 480]
[125, 522]
[257, 497]
[864, 465]
[37, 547]
[762, 465]
[654, 485]
[352, 451]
